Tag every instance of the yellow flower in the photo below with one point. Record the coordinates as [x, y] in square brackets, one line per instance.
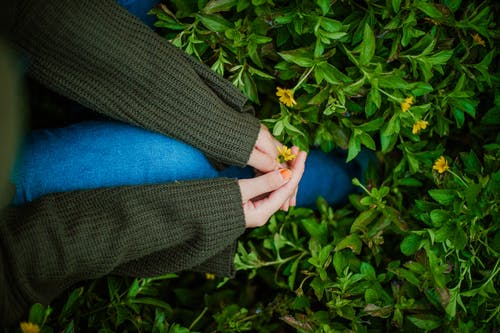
[210, 276]
[29, 327]
[419, 125]
[478, 40]
[286, 96]
[285, 154]
[441, 165]
[406, 104]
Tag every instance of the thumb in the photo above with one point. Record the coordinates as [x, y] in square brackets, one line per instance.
[253, 187]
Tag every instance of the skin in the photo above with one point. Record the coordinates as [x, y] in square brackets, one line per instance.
[264, 159]
[263, 195]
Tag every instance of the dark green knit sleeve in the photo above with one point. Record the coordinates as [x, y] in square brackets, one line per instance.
[60, 239]
[98, 54]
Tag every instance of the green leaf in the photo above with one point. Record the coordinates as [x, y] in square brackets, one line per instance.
[393, 82]
[330, 24]
[215, 6]
[318, 286]
[373, 125]
[249, 87]
[169, 23]
[37, 314]
[330, 73]
[214, 22]
[444, 197]
[410, 244]
[483, 66]
[367, 141]
[324, 5]
[320, 97]
[371, 296]
[278, 128]
[387, 142]
[459, 239]
[420, 88]
[316, 230]
[354, 147]
[73, 297]
[395, 5]
[134, 289]
[453, 5]
[409, 181]
[364, 219]
[153, 302]
[368, 271]
[439, 216]
[425, 321]
[352, 242]
[440, 58]
[301, 57]
[293, 273]
[367, 46]
[340, 261]
[429, 9]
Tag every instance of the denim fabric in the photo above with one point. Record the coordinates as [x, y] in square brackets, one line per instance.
[95, 154]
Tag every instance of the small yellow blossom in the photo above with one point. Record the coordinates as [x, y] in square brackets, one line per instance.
[478, 40]
[29, 327]
[406, 104]
[285, 154]
[419, 125]
[210, 276]
[286, 96]
[441, 165]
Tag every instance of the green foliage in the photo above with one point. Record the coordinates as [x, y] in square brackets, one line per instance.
[416, 249]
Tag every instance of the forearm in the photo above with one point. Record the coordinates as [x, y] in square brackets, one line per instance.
[64, 238]
[99, 55]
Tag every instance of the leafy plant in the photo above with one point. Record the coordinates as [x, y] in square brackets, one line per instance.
[417, 249]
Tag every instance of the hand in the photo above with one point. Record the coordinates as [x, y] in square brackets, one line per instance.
[262, 196]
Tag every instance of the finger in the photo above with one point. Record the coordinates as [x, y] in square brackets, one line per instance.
[293, 200]
[254, 187]
[262, 161]
[267, 143]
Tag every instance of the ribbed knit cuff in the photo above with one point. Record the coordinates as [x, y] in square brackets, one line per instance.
[101, 56]
[222, 264]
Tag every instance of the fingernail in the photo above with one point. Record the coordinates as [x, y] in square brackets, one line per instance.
[286, 174]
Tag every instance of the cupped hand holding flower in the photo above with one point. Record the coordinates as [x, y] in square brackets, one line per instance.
[262, 196]
[268, 155]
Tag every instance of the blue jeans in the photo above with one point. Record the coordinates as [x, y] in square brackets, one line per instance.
[94, 154]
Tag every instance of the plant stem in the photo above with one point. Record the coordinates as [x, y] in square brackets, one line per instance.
[302, 79]
[458, 177]
[198, 318]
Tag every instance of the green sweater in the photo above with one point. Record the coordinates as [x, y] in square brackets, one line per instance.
[99, 55]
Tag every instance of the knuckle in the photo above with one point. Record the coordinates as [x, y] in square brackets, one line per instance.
[275, 180]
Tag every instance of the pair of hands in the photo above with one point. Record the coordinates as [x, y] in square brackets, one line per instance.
[276, 186]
